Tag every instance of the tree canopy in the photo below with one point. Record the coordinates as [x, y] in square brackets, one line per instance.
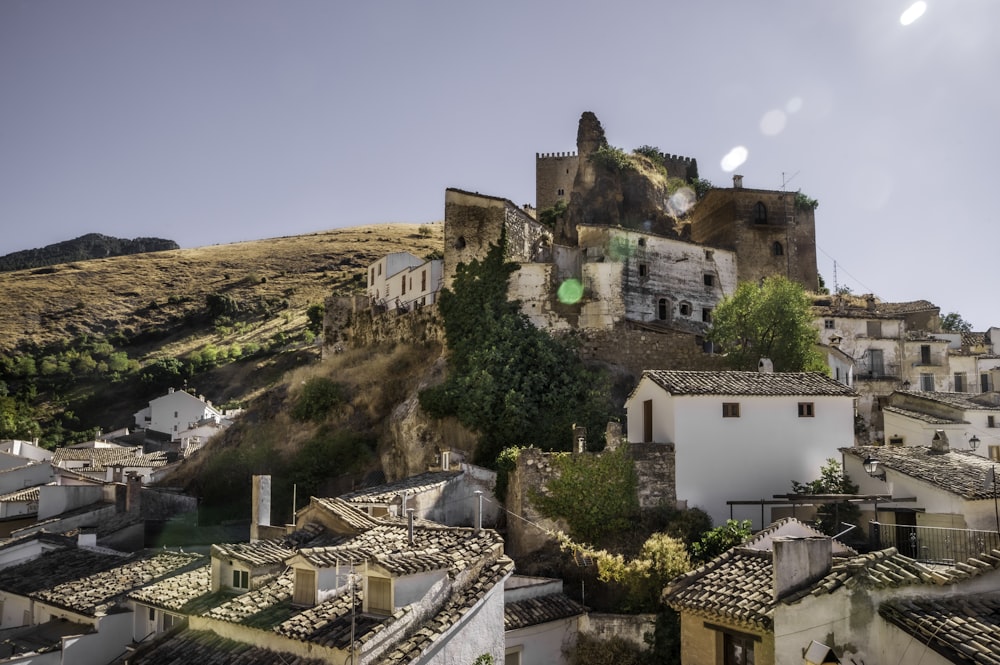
[768, 320]
[830, 517]
[507, 380]
[953, 322]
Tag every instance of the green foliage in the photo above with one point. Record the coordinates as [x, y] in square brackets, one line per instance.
[716, 541]
[315, 314]
[507, 380]
[650, 151]
[434, 255]
[483, 659]
[329, 453]
[611, 158]
[17, 420]
[661, 559]
[701, 187]
[164, 373]
[319, 396]
[832, 480]
[954, 323]
[803, 202]
[595, 494]
[549, 215]
[771, 320]
[591, 650]
[506, 463]
[221, 305]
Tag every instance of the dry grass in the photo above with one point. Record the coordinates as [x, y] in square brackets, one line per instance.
[155, 292]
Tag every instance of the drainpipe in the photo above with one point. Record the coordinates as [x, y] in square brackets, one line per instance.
[479, 511]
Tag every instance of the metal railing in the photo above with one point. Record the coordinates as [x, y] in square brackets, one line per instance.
[932, 544]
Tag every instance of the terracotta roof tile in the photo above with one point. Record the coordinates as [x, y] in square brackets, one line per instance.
[174, 593]
[390, 492]
[922, 417]
[240, 608]
[207, 648]
[679, 382]
[100, 459]
[957, 471]
[54, 568]
[963, 629]
[533, 611]
[737, 585]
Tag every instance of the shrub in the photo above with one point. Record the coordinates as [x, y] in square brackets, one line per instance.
[424, 231]
[318, 397]
[611, 158]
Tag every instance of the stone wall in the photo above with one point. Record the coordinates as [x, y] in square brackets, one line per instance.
[554, 173]
[630, 627]
[655, 469]
[351, 322]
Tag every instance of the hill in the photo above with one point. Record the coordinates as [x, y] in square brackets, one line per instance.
[90, 246]
[84, 344]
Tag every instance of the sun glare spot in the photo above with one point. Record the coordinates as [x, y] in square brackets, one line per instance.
[913, 12]
[570, 292]
[681, 201]
[773, 122]
[734, 159]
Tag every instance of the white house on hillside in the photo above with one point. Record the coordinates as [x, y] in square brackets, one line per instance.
[914, 418]
[402, 280]
[177, 411]
[741, 435]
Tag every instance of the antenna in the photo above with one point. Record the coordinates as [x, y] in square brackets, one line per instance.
[836, 287]
[785, 181]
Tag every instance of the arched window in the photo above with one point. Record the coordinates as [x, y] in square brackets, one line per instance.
[661, 309]
[777, 249]
[760, 213]
[460, 243]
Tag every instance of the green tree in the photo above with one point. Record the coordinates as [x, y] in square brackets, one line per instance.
[510, 382]
[770, 320]
[716, 541]
[315, 314]
[953, 322]
[830, 517]
[318, 397]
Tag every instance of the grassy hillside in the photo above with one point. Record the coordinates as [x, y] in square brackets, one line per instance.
[85, 344]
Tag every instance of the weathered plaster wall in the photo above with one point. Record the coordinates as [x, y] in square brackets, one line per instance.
[636, 347]
[630, 627]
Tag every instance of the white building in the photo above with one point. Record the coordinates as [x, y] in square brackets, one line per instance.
[914, 418]
[403, 281]
[741, 435]
[177, 411]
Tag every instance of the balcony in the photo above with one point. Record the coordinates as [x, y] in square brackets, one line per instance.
[876, 372]
[930, 544]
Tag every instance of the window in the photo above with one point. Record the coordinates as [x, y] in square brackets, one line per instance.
[960, 386]
[925, 354]
[175, 414]
[403, 285]
[379, 595]
[642, 242]
[984, 382]
[709, 279]
[642, 270]
[373, 277]
[513, 657]
[709, 254]
[304, 589]
[706, 314]
[927, 382]
[737, 649]
[874, 328]
[661, 309]
[380, 269]
[241, 579]
[995, 453]
[991, 421]
[760, 213]
[169, 620]
[730, 409]
[685, 309]
[777, 249]
[152, 614]
[895, 440]
[876, 362]
[647, 421]
[806, 410]
[560, 192]
[829, 324]
[423, 280]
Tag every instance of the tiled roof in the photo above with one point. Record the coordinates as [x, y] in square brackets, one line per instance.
[888, 568]
[238, 609]
[963, 401]
[678, 382]
[533, 611]
[201, 646]
[974, 339]
[55, 568]
[957, 471]
[28, 494]
[923, 417]
[96, 593]
[857, 308]
[736, 585]
[173, 593]
[963, 629]
[345, 511]
[450, 614]
[100, 459]
[390, 492]
[259, 553]
[329, 624]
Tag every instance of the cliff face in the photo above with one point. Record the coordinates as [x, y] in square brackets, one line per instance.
[90, 246]
[634, 197]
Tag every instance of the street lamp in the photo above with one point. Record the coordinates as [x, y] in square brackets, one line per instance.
[973, 442]
[871, 468]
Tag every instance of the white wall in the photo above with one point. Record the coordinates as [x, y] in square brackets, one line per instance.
[14, 480]
[754, 456]
[57, 499]
[114, 633]
[188, 409]
[543, 644]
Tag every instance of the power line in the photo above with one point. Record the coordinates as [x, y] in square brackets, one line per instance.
[840, 266]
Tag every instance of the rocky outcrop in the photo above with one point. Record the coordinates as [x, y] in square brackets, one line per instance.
[635, 197]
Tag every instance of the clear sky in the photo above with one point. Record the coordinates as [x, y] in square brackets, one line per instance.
[216, 121]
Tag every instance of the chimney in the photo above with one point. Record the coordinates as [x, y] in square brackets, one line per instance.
[445, 459]
[765, 366]
[870, 303]
[402, 503]
[87, 537]
[133, 492]
[579, 439]
[939, 443]
[409, 524]
[260, 505]
[737, 181]
[479, 511]
[613, 435]
[798, 562]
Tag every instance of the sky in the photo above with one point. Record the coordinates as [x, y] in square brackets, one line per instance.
[208, 122]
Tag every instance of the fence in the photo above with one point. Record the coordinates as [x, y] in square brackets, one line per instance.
[933, 544]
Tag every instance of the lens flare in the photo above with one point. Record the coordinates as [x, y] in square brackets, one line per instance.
[570, 291]
[913, 12]
[618, 249]
[734, 159]
[773, 122]
[681, 201]
[794, 105]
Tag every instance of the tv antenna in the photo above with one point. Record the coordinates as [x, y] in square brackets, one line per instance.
[785, 181]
